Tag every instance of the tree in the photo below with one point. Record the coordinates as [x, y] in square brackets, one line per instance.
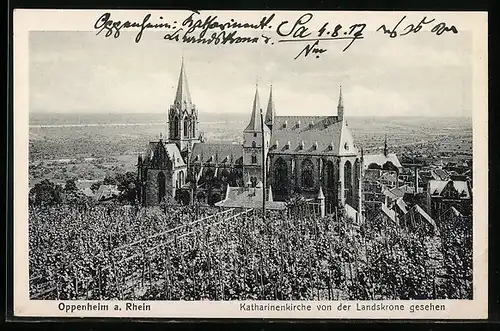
[127, 186]
[46, 193]
[70, 186]
[108, 180]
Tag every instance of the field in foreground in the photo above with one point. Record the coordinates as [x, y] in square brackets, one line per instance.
[201, 253]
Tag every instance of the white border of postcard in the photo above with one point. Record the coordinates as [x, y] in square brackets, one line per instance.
[83, 20]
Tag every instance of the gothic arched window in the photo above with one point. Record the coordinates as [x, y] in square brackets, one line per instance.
[161, 186]
[254, 158]
[307, 173]
[176, 127]
[348, 182]
[186, 127]
[329, 174]
[281, 180]
[254, 144]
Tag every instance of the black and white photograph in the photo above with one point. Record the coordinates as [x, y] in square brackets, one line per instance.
[285, 161]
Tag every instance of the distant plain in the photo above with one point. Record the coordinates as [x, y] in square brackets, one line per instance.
[91, 146]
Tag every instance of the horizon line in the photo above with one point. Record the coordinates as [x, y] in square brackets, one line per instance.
[226, 113]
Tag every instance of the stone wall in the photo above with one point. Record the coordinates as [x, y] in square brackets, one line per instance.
[151, 187]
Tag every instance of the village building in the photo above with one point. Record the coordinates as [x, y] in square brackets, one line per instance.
[442, 195]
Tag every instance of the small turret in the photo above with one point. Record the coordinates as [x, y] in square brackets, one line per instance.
[270, 194]
[321, 200]
[340, 106]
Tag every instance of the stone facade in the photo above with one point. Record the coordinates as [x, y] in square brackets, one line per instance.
[160, 173]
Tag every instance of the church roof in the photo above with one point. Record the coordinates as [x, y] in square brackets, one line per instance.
[212, 152]
[182, 96]
[255, 123]
[171, 149]
[381, 159]
[311, 135]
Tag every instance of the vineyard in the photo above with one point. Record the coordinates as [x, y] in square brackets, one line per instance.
[203, 253]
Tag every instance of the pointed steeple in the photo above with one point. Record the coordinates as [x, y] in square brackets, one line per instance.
[255, 124]
[269, 121]
[182, 96]
[340, 106]
[386, 150]
[321, 196]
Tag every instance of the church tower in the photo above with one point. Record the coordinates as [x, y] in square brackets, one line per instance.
[270, 110]
[183, 116]
[252, 144]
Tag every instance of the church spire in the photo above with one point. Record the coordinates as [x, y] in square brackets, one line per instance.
[254, 124]
[386, 150]
[183, 97]
[340, 106]
[270, 110]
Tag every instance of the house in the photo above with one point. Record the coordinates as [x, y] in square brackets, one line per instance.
[107, 192]
[442, 195]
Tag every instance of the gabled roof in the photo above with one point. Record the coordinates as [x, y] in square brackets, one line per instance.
[217, 153]
[311, 135]
[417, 210]
[440, 174]
[455, 212]
[437, 187]
[381, 159]
[244, 197]
[107, 192]
[87, 192]
[394, 193]
[391, 214]
[401, 205]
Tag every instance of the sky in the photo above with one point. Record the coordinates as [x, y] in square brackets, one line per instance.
[421, 75]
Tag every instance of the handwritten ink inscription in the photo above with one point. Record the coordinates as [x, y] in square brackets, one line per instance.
[210, 30]
[438, 28]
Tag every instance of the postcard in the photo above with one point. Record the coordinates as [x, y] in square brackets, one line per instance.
[250, 164]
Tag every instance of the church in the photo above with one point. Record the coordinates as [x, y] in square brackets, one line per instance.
[309, 156]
